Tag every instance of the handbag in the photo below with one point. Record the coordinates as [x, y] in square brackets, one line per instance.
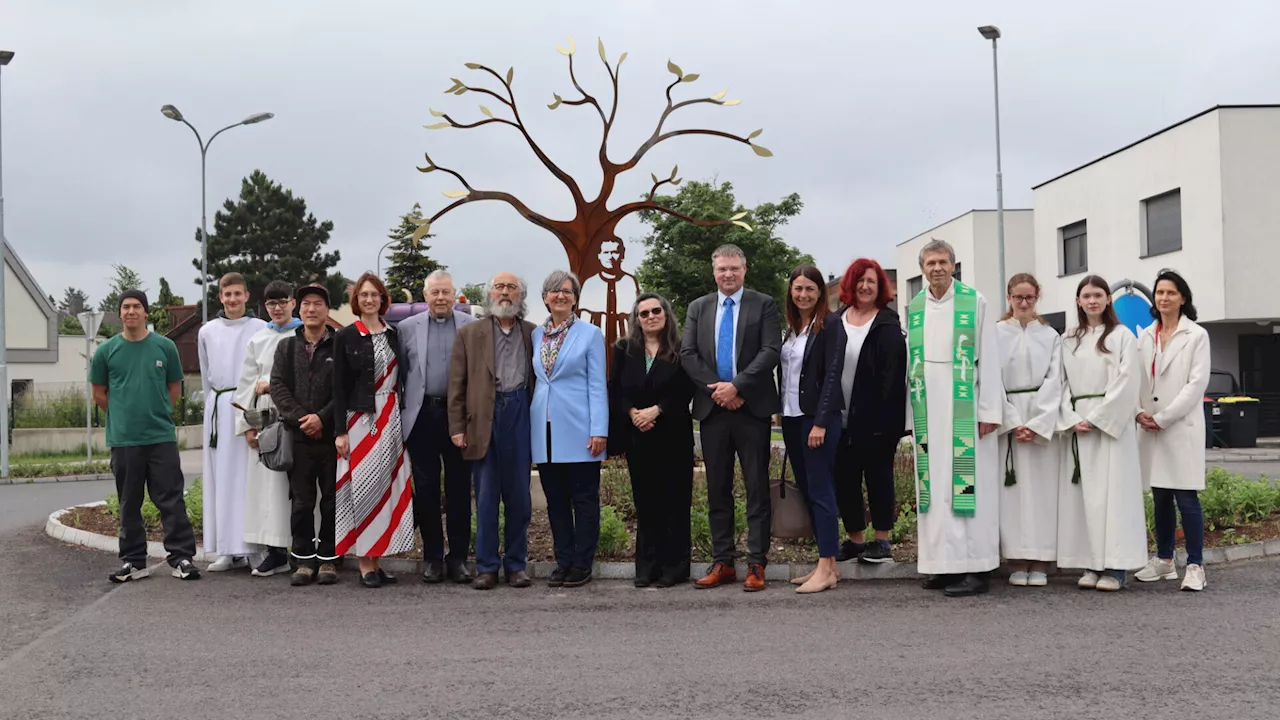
[790, 512]
[275, 445]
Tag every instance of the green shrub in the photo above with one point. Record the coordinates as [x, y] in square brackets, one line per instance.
[700, 531]
[193, 497]
[614, 538]
[63, 409]
[905, 526]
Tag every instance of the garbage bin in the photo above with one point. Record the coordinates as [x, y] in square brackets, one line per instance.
[1239, 416]
[1211, 414]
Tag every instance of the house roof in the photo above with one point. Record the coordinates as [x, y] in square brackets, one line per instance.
[966, 212]
[1158, 132]
[29, 282]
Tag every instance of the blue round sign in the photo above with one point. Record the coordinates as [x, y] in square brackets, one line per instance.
[1133, 310]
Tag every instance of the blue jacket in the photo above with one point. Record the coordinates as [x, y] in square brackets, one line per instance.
[575, 393]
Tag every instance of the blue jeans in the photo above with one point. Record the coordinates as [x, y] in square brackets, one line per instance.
[814, 469]
[1188, 504]
[503, 475]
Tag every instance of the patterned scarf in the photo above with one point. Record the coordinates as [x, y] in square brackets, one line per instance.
[552, 339]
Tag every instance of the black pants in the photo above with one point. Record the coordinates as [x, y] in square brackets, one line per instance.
[662, 488]
[573, 509]
[869, 457]
[314, 472]
[429, 447]
[725, 434]
[154, 470]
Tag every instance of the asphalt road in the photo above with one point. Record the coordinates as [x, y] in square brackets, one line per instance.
[231, 646]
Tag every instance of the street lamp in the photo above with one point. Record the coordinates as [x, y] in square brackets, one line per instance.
[992, 33]
[89, 320]
[174, 114]
[5, 57]
[382, 252]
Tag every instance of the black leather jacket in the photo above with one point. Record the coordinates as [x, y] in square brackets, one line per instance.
[302, 384]
[353, 378]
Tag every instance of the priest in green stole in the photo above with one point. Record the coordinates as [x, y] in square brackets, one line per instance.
[957, 399]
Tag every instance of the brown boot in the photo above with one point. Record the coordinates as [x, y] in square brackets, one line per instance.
[718, 575]
[328, 574]
[303, 576]
[755, 578]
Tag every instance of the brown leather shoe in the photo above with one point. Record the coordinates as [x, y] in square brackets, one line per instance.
[718, 575]
[518, 579]
[755, 578]
[485, 581]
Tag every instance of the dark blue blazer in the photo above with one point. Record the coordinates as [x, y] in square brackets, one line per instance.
[820, 395]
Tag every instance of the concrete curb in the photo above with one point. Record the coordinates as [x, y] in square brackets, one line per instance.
[851, 570]
[1211, 457]
[55, 479]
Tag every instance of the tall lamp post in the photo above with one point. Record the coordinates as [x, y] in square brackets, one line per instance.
[382, 252]
[89, 320]
[5, 57]
[992, 33]
[173, 113]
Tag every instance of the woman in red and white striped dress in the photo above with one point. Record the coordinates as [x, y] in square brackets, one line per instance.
[374, 503]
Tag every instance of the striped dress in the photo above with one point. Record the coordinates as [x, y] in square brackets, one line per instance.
[374, 513]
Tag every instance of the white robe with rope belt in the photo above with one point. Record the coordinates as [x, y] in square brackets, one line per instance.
[266, 497]
[223, 344]
[949, 544]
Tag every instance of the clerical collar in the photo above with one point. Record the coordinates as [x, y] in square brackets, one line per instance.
[441, 320]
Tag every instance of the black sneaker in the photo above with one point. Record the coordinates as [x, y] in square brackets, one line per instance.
[876, 552]
[557, 577]
[186, 570]
[577, 577]
[127, 572]
[850, 550]
[273, 564]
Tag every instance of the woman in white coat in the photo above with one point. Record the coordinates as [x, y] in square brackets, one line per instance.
[1175, 374]
[1031, 367]
[1101, 520]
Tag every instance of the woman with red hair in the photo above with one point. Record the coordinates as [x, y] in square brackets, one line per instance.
[874, 385]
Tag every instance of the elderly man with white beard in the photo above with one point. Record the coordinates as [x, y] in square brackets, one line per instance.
[490, 386]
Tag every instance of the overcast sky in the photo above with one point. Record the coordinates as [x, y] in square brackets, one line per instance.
[879, 114]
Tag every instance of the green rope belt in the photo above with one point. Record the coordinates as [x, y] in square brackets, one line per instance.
[1075, 437]
[1010, 476]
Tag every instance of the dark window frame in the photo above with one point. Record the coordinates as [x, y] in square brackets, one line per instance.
[1063, 237]
[1146, 224]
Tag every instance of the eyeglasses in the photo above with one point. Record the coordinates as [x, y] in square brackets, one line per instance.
[277, 304]
[656, 312]
[370, 296]
[560, 291]
[1024, 299]
[506, 287]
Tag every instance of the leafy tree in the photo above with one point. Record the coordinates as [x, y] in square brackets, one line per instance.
[410, 264]
[678, 259]
[125, 279]
[474, 293]
[70, 326]
[74, 302]
[269, 235]
[165, 299]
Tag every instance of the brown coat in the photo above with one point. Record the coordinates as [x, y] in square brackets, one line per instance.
[472, 383]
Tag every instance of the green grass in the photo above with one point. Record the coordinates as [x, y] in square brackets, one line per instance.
[58, 469]
[64, 456]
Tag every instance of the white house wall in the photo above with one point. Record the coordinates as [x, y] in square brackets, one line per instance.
[1250, 211]
[70, 368]
[26, 326]
[974, 236]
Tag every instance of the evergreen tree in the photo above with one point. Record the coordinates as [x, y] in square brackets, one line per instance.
[269, 235]
[410, 264]
[74, 301]
[125, 279]
[165, 299]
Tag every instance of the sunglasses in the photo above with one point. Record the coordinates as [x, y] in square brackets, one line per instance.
[656, 312]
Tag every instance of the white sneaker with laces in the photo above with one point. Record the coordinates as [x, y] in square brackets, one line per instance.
[1194, 579]
[1108, 583]
[228, 562]
[1018, 579]
[1088, 581]
[1157, 569]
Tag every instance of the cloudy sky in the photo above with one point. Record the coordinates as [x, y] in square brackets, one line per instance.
[879, 114]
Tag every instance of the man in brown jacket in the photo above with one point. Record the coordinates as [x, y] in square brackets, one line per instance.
[490, 384]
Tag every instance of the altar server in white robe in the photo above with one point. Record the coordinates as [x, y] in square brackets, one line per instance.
[959, 533]
[1031, 354]
[1102, 525]
[266, 494]
[222, 343]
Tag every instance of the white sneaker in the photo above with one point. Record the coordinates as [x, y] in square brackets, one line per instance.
[228, 562]
[1018, 578]
[1194, 579]
[1088, 581]
[1157, 569]
[1108, 583]
[1036, 578]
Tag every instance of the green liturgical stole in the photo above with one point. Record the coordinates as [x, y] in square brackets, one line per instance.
[964, 374]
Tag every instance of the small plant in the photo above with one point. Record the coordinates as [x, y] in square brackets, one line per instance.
[614, 538]
[193, 498]
[905, 526]
[700, 531]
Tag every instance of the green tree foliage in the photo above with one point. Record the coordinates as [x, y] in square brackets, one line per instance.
[677, 263]
[165, 299]
[410, 264]
[74, 301]
[125, 279]
[69, 325]
[474, 293]
[269, 235]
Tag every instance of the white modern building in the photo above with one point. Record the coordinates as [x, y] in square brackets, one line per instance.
[974, 235]
[1202, 197]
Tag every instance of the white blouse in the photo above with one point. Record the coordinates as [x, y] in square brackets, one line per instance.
[792, 360]
[857, 336]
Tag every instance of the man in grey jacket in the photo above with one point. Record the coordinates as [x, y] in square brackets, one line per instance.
[426, 344]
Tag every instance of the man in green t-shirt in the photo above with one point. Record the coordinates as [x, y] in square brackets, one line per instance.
[136, 378]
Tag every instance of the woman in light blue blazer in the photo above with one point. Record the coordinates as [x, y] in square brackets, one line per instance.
[569, 427]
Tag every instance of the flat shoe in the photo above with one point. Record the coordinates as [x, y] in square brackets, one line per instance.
[1019, 578]
[1036, 578]
[814, 585]
[371, 580]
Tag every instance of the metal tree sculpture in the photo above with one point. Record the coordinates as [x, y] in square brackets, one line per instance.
[594, 223]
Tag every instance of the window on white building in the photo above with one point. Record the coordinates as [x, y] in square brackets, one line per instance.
[1162, 223]
[915, 285]
[1075, 248]
[955, 274]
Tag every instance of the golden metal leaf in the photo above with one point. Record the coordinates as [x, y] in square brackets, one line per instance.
[486, 111]
[762, 151]
[456, 193]
[473, 66]
[621, 57]
[690, 77]
[676, 181]
[743, 225]
[731, 103]
[437, 126]
[511, 74]
[739, 216]
[421, 231]
[555, 104]
[572, 47]
[457, 82]
[655, 178]
[600, 44]
[460, 91]
[755, 134]
[419, 220]
[675, 169]
[426, 169]
[675, 69]
[720, 95]
[435, 113]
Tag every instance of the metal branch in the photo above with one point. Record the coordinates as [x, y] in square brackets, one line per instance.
[674, 133]
[643, 205]
[524, 210]
[586, 98]
[433, 166]
[467, 126]
[658, 184]
[491, 93]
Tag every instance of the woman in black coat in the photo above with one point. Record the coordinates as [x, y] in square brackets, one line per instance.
[649, 395]
[874, 387]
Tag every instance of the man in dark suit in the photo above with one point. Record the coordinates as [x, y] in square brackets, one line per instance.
[732, 341]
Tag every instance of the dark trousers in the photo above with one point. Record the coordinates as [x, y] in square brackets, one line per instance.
[314, 472]
[573, 509]
[155, 471]
[429, 447]
[663, 493]
[869, 457]
[1188, 502]
[725, 434]
[502, 475]
[814, 469]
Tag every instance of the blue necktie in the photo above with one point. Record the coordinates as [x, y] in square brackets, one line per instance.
[724, 346]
